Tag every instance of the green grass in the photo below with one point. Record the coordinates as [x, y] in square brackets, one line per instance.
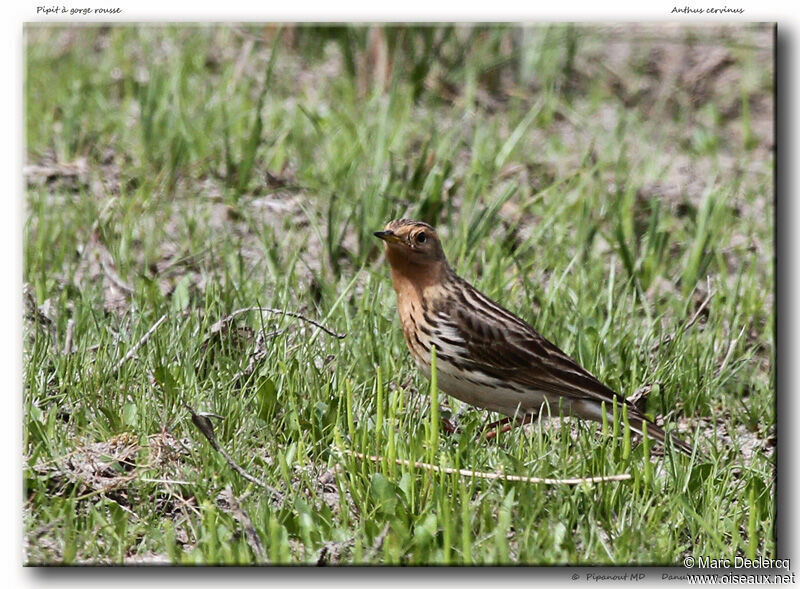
[192, 171]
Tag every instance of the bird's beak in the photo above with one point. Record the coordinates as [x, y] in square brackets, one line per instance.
[388, 236]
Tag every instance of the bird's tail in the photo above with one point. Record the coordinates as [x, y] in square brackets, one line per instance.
[638, 423]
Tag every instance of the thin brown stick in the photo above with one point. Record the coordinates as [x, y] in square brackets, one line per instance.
[140, 343]
[240, 515]
[202, 422]
[492, 475]
[225, 320]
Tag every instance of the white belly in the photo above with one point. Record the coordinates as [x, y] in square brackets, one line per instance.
[475, 388]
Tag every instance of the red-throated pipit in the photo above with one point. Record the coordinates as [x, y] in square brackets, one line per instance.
[485, 355]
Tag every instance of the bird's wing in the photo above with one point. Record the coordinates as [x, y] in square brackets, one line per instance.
[481, 336]
[503, 346]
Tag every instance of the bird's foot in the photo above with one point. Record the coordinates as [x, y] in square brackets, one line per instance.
[450, 421]
[505, 424]
[448, 426]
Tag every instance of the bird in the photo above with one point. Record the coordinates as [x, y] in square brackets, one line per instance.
[486, 356]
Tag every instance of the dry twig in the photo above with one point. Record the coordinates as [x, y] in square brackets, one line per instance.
[219, 325]
[202, 422]
[227, 499]
[140, 343]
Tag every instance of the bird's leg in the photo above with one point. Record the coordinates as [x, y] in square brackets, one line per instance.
[507, 423]
[450, 425]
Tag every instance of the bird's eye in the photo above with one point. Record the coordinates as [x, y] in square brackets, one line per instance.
[421, 237]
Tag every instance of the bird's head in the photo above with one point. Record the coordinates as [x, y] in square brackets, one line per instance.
[411, 242]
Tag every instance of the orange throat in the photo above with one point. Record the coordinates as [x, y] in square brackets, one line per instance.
[412, 279]
[418, 287]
